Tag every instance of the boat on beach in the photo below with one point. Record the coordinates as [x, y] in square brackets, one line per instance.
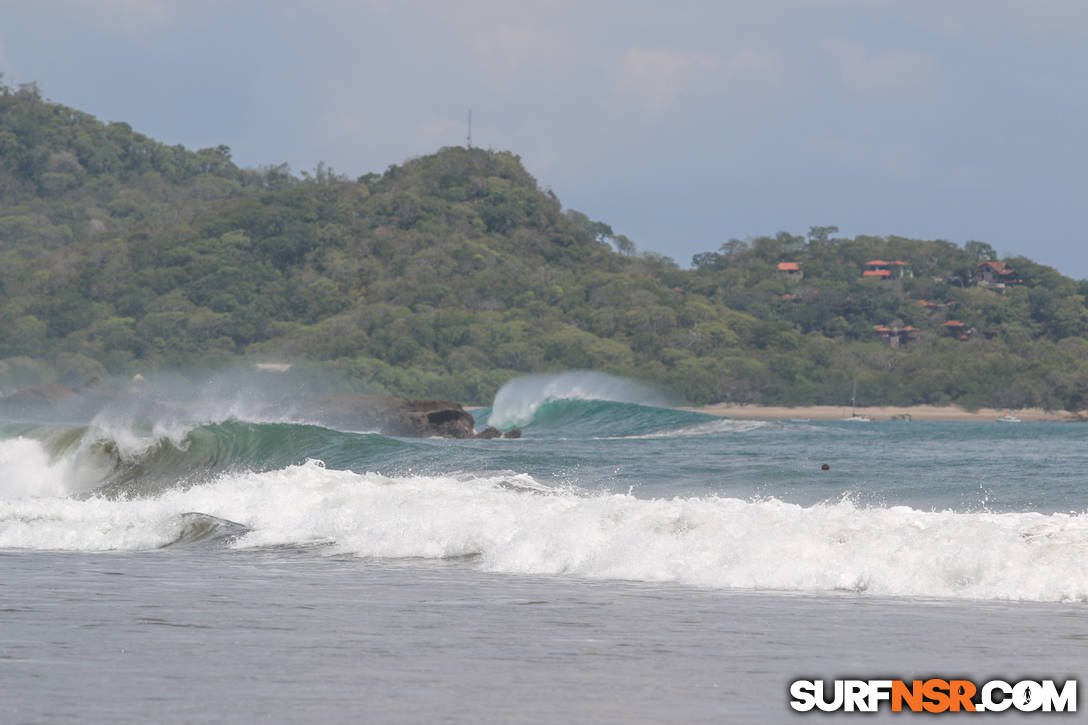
[854, 417]
[1008, 417]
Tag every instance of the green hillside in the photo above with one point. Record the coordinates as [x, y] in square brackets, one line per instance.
[449, 274]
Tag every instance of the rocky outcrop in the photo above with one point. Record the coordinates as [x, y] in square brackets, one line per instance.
[393, 416]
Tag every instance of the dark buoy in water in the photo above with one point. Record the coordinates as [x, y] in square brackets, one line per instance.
[825, 467]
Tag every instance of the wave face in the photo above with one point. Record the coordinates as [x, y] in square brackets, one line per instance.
[575, 418]
[119, 460]
[522, 400]
[511, 523]
[596, 405]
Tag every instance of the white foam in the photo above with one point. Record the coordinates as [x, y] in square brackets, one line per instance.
[706, 542]
[60, 463]
[26, 470]
[131, 444]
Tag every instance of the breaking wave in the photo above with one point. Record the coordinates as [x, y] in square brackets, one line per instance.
[511, 523]
[141, 460]
[596, 405]
[522, 400]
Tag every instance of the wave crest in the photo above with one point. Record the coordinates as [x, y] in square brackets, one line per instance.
[517, 402]
[510, 523]
[119, 460]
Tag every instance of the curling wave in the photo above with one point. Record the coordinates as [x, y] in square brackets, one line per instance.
[520, 401]
[595, 405]
[143, 460]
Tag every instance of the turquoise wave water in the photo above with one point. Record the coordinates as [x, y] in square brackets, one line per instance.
[592, 445]
[594, 488]
[141, 459]
[599, 418]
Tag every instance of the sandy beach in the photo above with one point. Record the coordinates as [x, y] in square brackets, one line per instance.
[917, 412]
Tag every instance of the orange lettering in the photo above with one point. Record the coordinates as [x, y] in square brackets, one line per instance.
[961, 692]
[911, 695]
[936, 691]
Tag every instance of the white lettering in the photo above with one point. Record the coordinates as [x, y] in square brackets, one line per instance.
[988, 701]
[879, 690]
[856, 696]
[1064, 701]
[803, 693]
[836, 702]
[1027, 696]
[993, 696]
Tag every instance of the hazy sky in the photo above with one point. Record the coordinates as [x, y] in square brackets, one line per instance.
[682, 123]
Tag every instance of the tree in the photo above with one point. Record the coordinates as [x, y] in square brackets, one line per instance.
[707, 260]
[820, 235]
[980, 251]
[734, 248]
[598, 230]
[624, 245]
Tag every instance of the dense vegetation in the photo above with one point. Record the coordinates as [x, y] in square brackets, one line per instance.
[449, 274]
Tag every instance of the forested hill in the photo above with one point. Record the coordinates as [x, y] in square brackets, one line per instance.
[449, 274]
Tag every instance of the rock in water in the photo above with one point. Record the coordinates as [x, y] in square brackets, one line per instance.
[394, 416]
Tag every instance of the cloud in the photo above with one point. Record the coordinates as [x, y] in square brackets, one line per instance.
[657, 76]
[890, 73]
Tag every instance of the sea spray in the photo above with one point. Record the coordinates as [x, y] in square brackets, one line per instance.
[113, 459]
[511, 523]
[27, 470]
[517, 401]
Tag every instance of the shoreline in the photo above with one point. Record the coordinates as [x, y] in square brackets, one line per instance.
[886, 412]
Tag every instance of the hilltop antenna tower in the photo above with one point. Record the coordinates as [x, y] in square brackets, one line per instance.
[469, 140]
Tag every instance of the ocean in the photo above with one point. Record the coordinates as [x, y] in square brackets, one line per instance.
[622, 562]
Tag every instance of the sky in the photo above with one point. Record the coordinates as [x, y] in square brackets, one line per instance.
[682, 124]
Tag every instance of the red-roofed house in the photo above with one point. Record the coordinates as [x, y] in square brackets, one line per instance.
[896, 335]
[955, 329]
[792, 270]
[877, 268]
[996, 274]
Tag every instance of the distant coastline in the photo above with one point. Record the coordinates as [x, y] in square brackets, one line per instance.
[952, 413]
[879, 413]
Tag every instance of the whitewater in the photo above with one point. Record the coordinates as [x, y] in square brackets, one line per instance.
[623, 520]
